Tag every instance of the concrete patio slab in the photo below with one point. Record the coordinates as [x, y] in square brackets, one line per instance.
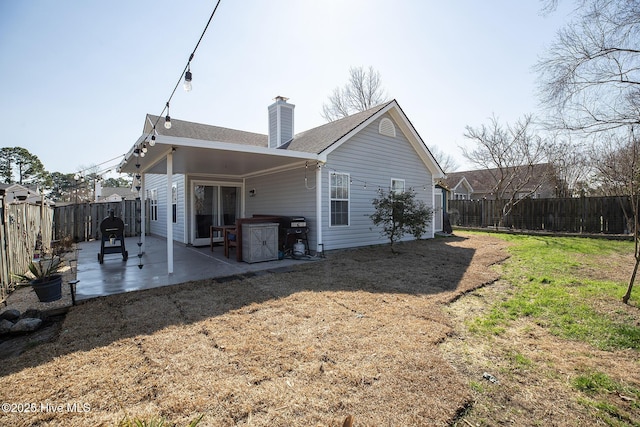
[115, 275]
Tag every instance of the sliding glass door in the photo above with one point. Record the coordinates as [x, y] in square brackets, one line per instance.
[213, 205]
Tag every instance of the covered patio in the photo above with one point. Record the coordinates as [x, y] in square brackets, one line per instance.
[115, 276]
[205, 156]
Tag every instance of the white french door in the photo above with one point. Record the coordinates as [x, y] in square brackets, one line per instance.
[213, 204]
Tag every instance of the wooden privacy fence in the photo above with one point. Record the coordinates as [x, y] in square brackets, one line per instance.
[20, 226]
[82, 221]
[570, 215]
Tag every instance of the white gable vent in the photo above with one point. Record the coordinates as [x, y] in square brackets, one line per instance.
[387, 128]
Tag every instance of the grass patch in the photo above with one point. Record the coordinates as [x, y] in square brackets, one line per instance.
[555, 287]
[595, 382]
[520, 361]
[609, 414]
[476, 386]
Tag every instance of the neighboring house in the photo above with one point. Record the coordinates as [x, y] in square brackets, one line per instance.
[481, 184]
[329, 174]
[114, 194]
[17, 193]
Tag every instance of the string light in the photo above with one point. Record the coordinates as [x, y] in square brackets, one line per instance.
[187, 78]
[186, 73]
[167, 120]
[378, 187]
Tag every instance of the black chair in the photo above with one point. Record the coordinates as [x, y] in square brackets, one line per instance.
[112, 242]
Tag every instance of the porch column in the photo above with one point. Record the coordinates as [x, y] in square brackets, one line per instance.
[319, 245]
[169, 216]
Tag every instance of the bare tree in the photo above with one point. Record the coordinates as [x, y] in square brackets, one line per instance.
[571, 166]
[618, 169]
[509, 154]
[362, 91]
[590, 77]
[445, 160]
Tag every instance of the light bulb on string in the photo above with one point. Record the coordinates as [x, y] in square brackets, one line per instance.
[187, 80]
[144, 147]
[152, 142]
[167, 120]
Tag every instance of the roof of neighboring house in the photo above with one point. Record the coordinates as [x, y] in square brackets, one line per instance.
[23, 193]
[124, 192]
[483, 181]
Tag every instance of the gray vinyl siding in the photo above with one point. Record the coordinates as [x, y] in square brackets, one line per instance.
[273, 127]
[374, 159]
[286, 125]
[285, 122]
[159, 227]
[285, 193]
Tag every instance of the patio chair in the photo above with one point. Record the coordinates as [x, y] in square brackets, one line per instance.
[230, 240]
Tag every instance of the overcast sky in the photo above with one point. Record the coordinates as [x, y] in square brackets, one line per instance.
[78, 76]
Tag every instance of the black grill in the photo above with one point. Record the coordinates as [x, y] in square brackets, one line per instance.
[291, 229]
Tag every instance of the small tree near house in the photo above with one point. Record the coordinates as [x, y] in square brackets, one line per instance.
[400, 213]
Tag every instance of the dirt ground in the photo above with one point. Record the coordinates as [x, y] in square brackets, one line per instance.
[365, 332]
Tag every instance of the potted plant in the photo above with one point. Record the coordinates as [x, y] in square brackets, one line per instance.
[45, 278]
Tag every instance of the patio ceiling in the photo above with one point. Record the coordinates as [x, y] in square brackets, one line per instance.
[201, 157]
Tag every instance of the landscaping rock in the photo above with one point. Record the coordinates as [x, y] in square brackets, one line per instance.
[5, 326]
[10, 314]
[32, 313]
[26, 325]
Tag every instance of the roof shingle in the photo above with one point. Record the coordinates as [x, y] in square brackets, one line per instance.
[313, 140]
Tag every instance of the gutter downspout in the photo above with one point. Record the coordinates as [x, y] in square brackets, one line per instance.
[143, 211]
[169, 216]
[319, 244]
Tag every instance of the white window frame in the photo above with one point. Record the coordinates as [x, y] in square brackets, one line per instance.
[394, 188]
[347, 182]
[152, 196]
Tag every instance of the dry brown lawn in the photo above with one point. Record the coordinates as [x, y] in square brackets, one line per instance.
[366, 333]
[354, 334]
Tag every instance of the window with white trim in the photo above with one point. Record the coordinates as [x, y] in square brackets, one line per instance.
[397, 185]
[339, 187]
[152, 196]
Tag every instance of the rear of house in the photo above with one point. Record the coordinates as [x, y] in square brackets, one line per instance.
[329, 175]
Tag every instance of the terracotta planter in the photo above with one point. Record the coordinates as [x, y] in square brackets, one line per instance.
[48, 290]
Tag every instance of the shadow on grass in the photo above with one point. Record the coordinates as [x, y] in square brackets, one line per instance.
[433, 267]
